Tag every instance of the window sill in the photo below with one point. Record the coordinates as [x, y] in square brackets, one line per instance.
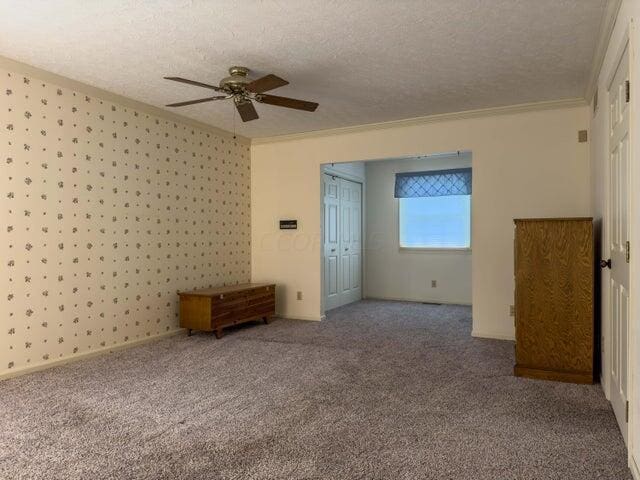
[435, 249]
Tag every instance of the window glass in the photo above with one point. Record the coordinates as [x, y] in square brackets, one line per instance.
[435, 222]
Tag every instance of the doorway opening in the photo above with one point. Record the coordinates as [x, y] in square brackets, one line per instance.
[397, 229]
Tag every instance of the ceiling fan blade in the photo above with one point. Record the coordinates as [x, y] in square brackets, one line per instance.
[268, 82]
[193, 82]
[287, 102]
[246, 110]
[202, 100]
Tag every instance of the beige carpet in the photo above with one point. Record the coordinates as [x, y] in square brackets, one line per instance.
[380, 390]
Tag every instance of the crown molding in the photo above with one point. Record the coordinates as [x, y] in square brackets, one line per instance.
[25, 69]
[607, 23]
[443, 117]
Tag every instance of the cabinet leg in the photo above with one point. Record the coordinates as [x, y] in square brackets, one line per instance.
[266, 320]
[218, 333]
[189, 332]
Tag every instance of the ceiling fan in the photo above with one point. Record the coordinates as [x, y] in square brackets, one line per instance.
[243, 90]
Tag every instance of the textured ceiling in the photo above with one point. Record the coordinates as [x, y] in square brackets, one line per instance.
[364, 61]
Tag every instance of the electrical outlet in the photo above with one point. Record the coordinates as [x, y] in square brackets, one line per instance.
[434, 283]
[512, 310]
[299, 296]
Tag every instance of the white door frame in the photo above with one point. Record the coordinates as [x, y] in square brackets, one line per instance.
[327, 168]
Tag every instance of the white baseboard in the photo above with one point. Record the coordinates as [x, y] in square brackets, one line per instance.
[85, 355]
[635, 471]
[421, 300]
[492, 335]
[605, 388]
[309, 318]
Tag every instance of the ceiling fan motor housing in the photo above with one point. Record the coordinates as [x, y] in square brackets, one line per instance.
[236, 80]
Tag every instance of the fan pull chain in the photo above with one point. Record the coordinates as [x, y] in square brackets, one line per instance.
[234, 120]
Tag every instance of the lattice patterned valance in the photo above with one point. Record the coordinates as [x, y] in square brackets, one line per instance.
[435, 183]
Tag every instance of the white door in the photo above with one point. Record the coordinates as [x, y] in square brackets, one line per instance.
[355, 243]
[342, 241]
[351, 242]
[618, 238]
[331, 241]
[345, 240]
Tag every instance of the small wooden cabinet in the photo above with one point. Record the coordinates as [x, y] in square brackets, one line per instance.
[554, 294]
[212, 309]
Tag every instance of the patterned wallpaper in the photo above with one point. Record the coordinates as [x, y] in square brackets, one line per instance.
[107, 213]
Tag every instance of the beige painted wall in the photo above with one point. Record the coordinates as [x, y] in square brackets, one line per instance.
[525, 164]
[107, 212]
[407, 274]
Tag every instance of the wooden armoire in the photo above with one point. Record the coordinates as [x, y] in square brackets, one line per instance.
[554, 294]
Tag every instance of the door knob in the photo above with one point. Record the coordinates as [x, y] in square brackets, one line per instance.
[333, 249]
[605, 263]
[346, 249]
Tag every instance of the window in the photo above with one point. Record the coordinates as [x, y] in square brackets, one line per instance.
[434, 209]
[435, 222]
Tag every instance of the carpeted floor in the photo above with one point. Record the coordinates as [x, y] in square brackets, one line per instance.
[380, 390]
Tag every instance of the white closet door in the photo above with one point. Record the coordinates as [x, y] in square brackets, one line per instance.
[331, 242]
[345, 240]
[355, 244]
[342, 241]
